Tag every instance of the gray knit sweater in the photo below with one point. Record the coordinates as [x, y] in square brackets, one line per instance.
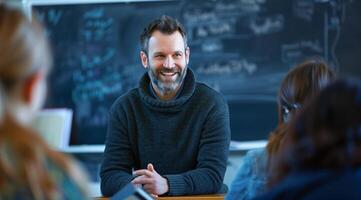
[186, 139]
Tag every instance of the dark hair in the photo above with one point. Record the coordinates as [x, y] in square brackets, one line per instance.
[166, 25]
[326, 133]
[300, 84]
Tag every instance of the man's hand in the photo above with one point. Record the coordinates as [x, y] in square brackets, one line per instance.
[152, 182]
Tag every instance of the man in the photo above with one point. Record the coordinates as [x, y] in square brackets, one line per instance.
[171, 132]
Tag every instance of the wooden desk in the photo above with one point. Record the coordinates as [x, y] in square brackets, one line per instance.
[200, 197]
[196, 197]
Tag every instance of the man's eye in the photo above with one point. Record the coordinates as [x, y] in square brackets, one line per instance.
[159, 56]
[177, 55]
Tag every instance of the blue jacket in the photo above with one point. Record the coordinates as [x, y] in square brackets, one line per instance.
[251, 178]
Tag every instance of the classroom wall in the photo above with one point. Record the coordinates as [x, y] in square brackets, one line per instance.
[294, 49]
[240, 48]
[91, 161]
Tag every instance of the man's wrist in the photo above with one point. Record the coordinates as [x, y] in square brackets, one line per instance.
[166, 185]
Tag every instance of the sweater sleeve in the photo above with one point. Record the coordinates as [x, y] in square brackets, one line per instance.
[116, 168]
[212, 156]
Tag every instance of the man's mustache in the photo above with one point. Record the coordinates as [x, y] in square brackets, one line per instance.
[166, 70]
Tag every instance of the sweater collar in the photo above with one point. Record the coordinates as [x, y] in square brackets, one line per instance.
[154, 94]
[186, 91]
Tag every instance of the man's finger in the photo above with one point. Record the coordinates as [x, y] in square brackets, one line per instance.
[150, 167]
[149, 188]
[142, 172]
[142, 180]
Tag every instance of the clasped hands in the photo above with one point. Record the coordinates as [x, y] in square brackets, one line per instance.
[151, 181]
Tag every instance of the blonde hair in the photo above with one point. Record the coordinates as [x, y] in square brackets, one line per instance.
[24, 47]
[24, 156]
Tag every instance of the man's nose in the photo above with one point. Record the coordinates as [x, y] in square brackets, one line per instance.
[168, 62]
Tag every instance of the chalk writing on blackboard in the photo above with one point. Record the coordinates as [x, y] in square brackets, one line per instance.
[242, 48]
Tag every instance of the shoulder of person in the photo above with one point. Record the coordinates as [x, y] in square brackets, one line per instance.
[206, 91]
[124, 99]
[257, 158]
[258, 153]
[71, 179]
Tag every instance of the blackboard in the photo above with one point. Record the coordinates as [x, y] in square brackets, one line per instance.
[242, 48]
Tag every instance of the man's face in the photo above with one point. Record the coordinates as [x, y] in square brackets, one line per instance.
[166, 61]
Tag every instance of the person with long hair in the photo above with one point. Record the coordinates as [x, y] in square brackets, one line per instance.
[321, 155]
[29, 169]
[300, 84]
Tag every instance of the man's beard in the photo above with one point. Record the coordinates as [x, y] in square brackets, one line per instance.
[166, 87]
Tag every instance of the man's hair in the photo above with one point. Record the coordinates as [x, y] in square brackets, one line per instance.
[166, 25]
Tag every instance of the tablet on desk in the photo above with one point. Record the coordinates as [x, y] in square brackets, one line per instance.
[131, 192]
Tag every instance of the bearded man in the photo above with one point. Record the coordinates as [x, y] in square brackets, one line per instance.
[171, 134]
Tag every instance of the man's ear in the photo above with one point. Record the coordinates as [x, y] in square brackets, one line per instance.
[30, 85]
[144, 59]
[188, 52]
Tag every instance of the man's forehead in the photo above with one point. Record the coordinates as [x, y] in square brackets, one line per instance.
[160, 40]
[158, 33]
